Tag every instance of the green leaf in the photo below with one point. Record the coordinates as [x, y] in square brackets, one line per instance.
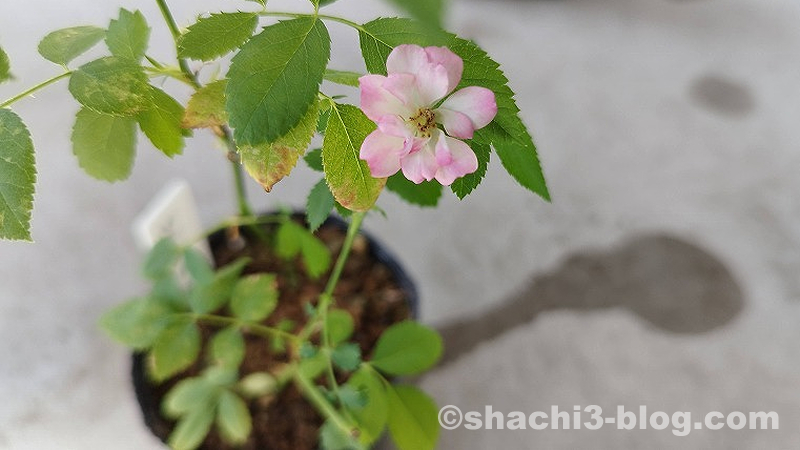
[17, 177]
[221, 376]
[105, 145]
[258, 384]
[198, 266]
[342, 77]
[332, 437]
[293, 239]
[160, 260]
[188, 395]
[111, 85]
[255, 297]
[311, 368]
[161, 123]
[233, 418]
[270, 163]
[260, 2]
[507, 134]
[216, 35]
[175, 349]
[424, 194]
[227, 348]
[62, 46]
[5, 67]
[128, 36]
[210, 296]
[314, 159]
[275, 78]
[349, 178]
[340, 326]
[465, 185]
[373, 415]
[206, 107]
[347, 356]
[428, 12]
[167, 291]
[136, 323]
[319, 205]
[407, 348]
[413, 418]
[380, 36]
[192, 429]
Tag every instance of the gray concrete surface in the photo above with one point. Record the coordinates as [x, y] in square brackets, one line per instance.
[668, 134]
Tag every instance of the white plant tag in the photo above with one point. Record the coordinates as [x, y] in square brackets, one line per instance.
[171, 213]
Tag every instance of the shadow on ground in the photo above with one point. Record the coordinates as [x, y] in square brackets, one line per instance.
[672, 284]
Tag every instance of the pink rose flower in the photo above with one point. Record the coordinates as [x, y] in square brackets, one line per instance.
[404, 106]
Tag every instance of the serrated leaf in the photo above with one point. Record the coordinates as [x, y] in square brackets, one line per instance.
[342, 77]
[428, 12]
[5, 67]
[136, 323]
[175, 349]
[413, 418]
[111, 85]
[270, 163]
[161, 123]
[425, 194]
[128, 35]
[407, 348]
[372, 417]
[507, 134]
[275, 78]
[340, 326]
[293, 239]
[314, 158]
[347, 356]
[191, 430]
[380, 36]
[465, 185]
[227, 348]
[210, 296]
[216, 35]
[105, 145]
[62, 46]
[17, 177]
[233, 418]
[319, 205]
[188, 395]
[348, 176]
[255, 297]
[206, 108]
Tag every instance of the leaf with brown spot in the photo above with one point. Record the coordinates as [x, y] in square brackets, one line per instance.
[270, 163]
[206, 108]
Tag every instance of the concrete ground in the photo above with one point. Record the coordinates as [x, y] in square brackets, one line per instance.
[663, 274]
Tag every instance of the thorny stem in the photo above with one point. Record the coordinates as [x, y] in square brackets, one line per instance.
[35, 88]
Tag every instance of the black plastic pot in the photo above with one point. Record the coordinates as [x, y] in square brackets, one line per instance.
[148, 403]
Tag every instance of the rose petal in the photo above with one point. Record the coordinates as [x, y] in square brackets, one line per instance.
[404, 87]
[477, 103]
[432, 83]
[420, 165]
[382, 153]
[451, 62]
[395, 126]
[377, 101]
[455, 159]
[406, 58]
[455, 123]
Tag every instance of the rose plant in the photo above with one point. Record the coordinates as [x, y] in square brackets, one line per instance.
[431, 110]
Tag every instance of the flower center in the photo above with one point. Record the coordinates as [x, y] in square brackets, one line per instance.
[424, 121]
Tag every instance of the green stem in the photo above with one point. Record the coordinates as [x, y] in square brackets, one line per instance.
[35, 88]
[255, 328]
[241, 193]
[341, 20]
[322, 405]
